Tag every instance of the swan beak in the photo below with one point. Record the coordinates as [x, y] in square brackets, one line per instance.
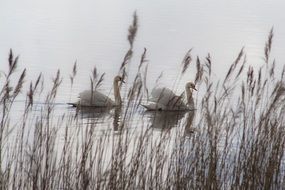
[123, 81]
[194, 88]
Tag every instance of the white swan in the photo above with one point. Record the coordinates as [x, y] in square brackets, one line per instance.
[165, 99]
[88, 98]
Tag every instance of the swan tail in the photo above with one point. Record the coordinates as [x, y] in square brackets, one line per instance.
[152, 107]
[73, 104]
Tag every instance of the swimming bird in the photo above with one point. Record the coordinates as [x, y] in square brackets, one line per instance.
[88, 98]
[164, 99]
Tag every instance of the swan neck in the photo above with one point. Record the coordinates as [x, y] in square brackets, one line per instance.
[189, 96]
[118, 99]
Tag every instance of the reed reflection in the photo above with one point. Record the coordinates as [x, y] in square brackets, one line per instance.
[189, 129]
[117, 118]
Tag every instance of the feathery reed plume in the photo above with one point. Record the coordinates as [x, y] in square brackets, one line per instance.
[209, 64]
[131, 38]
[185, 64]
[30, 95]
[74, 71]
[12, 63]
[11, 58]
[133, 30]
[32, 90]
[208, 69]
[199, 71]
[19, 84]
[186, 61]
[234, 65]
[95, 83]
[56, 83]
[99, 82]
[94, 74]
[268, 44]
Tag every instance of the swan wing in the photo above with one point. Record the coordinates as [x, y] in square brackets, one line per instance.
[161, 94]
[152, 106]
[97, 99]
[167, 99]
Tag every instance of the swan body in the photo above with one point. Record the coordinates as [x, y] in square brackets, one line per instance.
[88, 98]
[98, 99]
[166, 99]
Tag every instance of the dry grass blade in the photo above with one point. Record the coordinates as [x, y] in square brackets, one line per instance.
[74, 70]
[159, 77]
[234, 65]
[127, 58]
[143, 60]
[241, 53]
[283, 73]
[241, 67]
[37, 81]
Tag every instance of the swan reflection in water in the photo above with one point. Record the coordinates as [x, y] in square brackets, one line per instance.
[93, 113]
[164, 119]
[99, 115]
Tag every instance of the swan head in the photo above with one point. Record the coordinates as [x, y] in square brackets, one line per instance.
[119, 79]
[191, 85]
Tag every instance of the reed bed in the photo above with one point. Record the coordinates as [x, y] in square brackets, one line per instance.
[234, 140]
